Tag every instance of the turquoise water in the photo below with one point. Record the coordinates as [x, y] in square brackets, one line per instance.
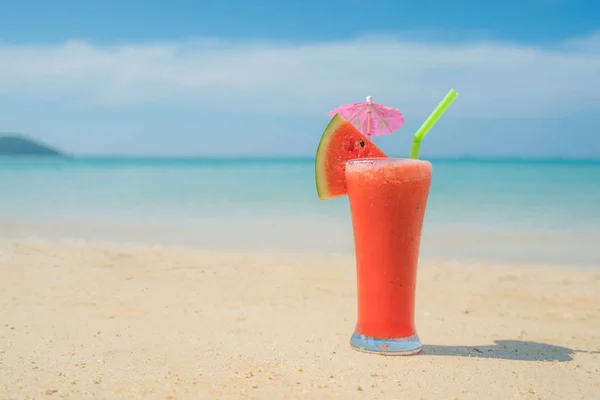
[503, 209]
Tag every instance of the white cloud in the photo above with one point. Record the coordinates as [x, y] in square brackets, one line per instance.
[492, 78]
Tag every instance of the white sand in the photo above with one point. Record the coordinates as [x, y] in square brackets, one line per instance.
[119, 322]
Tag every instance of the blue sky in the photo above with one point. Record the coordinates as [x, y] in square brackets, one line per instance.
[258, 78]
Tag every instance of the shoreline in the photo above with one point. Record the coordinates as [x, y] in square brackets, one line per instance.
[123, 321]
[348, 254]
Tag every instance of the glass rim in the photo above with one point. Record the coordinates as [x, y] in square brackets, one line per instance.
[386, 160]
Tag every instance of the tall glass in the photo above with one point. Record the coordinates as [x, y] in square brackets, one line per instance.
[387, 197]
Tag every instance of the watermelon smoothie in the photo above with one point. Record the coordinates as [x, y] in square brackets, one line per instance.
[387, 197]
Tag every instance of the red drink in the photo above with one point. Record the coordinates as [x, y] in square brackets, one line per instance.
[387, 197]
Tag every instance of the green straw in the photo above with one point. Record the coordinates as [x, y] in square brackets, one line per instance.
[430, 121]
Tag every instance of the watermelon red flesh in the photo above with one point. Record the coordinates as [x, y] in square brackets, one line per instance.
[340, 142]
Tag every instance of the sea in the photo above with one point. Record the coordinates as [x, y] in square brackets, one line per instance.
[497, 210]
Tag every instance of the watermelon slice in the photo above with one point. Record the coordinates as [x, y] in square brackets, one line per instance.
[340, 142]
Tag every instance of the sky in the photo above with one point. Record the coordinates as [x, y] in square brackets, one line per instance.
[258, 78]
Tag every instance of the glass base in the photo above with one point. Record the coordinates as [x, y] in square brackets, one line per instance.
[386, 347]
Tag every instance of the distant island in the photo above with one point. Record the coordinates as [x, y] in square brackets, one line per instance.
[17, 145]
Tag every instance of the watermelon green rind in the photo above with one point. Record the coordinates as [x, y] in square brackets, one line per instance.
[321, 159]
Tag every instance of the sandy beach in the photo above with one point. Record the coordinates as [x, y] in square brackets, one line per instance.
[132, 322]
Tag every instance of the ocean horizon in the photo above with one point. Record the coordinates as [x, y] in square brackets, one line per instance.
[534, 210]
[99, 158]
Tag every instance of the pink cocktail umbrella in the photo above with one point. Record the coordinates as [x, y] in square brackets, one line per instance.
[370, 118]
